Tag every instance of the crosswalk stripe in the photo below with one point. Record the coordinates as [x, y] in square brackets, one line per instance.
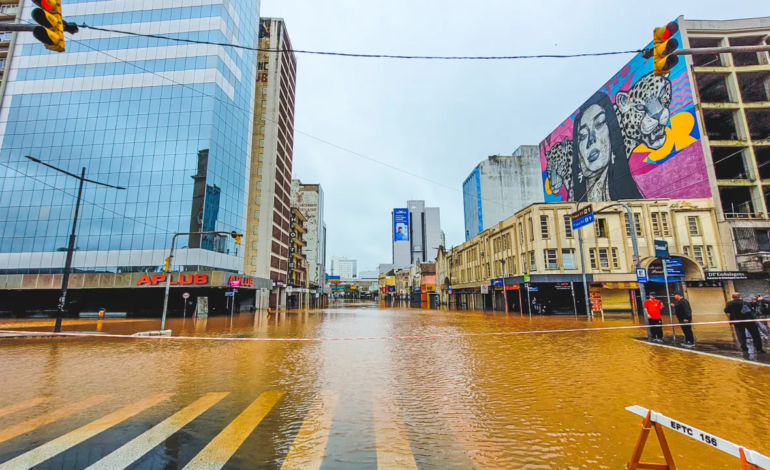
[392, 443]
[69, 440]
[134, 450]
[216, 454]
[22, 405]
[307, 451]
[50, 417]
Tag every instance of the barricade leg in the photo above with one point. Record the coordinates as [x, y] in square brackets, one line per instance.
[647, 426]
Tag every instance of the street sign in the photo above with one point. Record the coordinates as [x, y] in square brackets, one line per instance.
[186, 295]
[235, 290]
[661, 249]
[533, 289]
[450, 289]
[485, 289]
[526, 277]
[229, 294]
[264, 290]
[583, 217]
[641, 275]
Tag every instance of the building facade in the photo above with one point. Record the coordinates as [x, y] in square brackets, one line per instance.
[344, 268]
[272, 155]
[160, 118]
[499, 186]
[9, 13]
[298, 290]
[309, 198]
[702, 130]
[536, 253]
[171, 122]
[417, 234]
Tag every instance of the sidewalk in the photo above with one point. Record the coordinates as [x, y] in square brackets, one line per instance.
[728, 349]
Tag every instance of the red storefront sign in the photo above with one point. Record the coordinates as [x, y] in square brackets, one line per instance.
[511, 287]
[182, 279]
[240, 281]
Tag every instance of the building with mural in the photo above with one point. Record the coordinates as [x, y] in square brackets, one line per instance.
[702, 130]
[499, 186]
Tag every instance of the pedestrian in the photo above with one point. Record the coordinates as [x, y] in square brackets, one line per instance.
[653, 307]
[738, 309]
[683, 313]
[763, 312]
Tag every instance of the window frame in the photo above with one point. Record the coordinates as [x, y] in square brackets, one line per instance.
[592, 258]
[568, 226]
[600, 229]
[606, 260]
[551, 262]
[532, 261]
[544, 229]
[571, 253]
[615, 258]
[693, 226]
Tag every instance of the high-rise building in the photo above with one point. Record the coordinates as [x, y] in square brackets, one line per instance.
[417, 233]
[9, 13]
[344, 268]
[309, 198]
[169, 121]
[267, 235]
[499, 187]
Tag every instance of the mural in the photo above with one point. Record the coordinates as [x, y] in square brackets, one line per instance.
[637, 137]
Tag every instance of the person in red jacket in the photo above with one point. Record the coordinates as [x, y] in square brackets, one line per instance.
[653, 307]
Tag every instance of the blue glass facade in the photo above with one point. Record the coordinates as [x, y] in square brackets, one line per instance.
[137, 113]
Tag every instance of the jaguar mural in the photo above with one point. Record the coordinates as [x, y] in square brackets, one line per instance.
[636, 137]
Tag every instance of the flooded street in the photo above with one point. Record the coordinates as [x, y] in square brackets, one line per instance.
[547, 400]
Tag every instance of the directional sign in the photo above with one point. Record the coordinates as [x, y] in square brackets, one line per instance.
[661, 249]
[186, 295]
[450, 289]
[583, 217]
[641, 275]
[703, 437]
[229, 294]
[533, 289]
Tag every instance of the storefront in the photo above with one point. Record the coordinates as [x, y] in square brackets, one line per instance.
[135, 294]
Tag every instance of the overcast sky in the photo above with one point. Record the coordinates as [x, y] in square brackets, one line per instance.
[438, 119]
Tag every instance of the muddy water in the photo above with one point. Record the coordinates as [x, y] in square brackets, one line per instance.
[547, 401]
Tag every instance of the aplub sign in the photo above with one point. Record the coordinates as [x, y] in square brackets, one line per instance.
[240, 281]
[181, 279]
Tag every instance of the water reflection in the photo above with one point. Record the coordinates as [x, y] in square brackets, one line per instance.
[528, 401]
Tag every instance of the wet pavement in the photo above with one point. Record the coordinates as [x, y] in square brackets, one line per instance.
[469, 399]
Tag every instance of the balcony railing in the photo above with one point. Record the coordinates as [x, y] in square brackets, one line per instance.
[744, 215]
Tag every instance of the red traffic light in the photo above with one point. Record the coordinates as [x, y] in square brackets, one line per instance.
[666, 32]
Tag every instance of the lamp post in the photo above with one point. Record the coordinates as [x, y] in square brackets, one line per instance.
[505, 292]
[71, 245]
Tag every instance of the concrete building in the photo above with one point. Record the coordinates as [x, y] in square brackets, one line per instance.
[499, 186]
[538, 241]
[344, 268]
[267, 235]
[368, 274]
[298, 290]
[417, 234]
[309, 198]
[9, 13]
[168, 121]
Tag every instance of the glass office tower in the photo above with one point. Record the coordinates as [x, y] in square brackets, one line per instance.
[170, 121]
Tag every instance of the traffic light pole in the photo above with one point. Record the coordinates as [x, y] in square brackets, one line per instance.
[171, 257]
[16, 27]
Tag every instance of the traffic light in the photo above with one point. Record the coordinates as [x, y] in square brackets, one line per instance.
[663, 45]
[167, 265]
[237, 236]
[51, 29]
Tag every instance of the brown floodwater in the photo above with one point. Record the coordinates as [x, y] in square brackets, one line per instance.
[538, 401]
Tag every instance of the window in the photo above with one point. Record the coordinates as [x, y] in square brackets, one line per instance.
[664, 224]
[692, 225]
[592, 256]
[532, 265]
[521, 234]
[551, 261]
[604, 261]
[523, 259]
[687, 251]
[638, 224]
[628, 225]
[544, 226]
[660, 224]
[601, 228]
[697, 252]
[711, 257]
[531, 230]
[568, 226]
[513, 266]
[568, 258]
[655, 224]
[615, 259]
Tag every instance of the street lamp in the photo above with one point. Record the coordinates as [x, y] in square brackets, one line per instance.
[71, 246]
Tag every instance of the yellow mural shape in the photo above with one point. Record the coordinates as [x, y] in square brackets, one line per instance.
[548, 185]
[677, 137]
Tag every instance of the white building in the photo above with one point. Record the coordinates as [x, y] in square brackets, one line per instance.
[344, 268]
[416, 234]
[309, 198]
[499, 187]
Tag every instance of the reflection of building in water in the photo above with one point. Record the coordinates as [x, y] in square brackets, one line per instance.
[205, 208]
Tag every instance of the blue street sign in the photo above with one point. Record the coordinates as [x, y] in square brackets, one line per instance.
[229, 294]
[497, 282]
[533, 289]
[450, 289]
[583, 217]
[661, 249]
[641, 275]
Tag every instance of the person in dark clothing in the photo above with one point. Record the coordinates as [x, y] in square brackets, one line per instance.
[683, 313]
[738, 309]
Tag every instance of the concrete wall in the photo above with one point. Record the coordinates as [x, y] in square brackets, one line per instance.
[499, 187]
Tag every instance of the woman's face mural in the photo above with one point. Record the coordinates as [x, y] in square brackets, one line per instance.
[594, 142]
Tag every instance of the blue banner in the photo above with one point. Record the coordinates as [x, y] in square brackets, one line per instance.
[401, 225]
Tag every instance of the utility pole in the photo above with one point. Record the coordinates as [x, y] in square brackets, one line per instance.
[589, 313]
[71, 245]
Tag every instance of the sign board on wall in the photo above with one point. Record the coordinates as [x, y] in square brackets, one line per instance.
[726, 275]
[485, 289]
[401, 225]
[645, 140]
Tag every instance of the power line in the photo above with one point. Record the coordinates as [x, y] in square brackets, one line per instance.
[364, 56]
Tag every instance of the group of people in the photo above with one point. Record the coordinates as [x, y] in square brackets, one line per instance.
[737, 309]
